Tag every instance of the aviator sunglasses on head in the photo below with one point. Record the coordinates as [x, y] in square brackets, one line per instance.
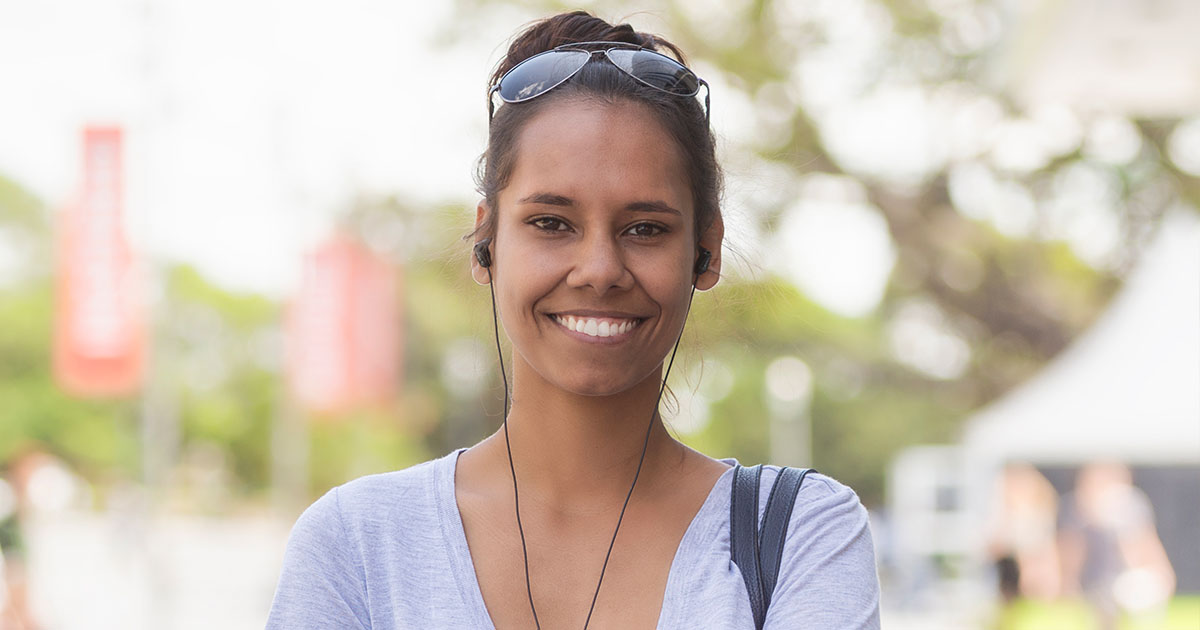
[545, 71]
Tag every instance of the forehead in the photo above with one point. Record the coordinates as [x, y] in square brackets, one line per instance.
[603, 153]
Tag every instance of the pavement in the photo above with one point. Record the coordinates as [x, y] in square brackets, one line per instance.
[97, 571]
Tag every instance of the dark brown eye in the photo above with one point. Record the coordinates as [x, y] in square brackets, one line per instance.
[548, 224]
[646, 230]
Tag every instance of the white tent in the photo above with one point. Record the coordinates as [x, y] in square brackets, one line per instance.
[1129, 387]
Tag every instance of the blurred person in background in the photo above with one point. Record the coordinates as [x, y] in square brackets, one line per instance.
[1111, 553]
[1022, 541]
[600, 217]
[14, 602]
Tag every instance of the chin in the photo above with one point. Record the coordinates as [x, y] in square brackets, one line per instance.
[596, 384]
[596, 388]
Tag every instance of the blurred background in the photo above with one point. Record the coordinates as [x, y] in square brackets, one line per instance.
[963, 276]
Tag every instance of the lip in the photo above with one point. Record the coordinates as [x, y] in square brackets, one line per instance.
[598, 314]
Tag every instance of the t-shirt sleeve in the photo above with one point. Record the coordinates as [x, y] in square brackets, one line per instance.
[827, 578]
[322, 582]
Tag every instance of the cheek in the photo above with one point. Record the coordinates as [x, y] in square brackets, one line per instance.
[522, 276]
[665, 282]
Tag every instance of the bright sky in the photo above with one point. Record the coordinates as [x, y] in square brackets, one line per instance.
[251, 124]
[248, 123]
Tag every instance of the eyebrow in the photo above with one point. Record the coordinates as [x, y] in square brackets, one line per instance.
[548, 199]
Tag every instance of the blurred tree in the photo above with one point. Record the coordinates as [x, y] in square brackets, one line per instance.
[979, 201]
[447, 365]
[217, 369]
[217, 358]
[98, 438]
[982, 202]
[213, 363]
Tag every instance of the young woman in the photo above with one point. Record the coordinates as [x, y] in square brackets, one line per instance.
[600, 216]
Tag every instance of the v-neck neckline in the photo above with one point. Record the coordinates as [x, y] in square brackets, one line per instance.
[697, 535]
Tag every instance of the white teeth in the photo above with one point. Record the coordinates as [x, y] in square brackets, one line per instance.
[595, 327]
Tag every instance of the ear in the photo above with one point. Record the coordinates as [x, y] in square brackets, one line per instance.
[711, 240]
[478, 273]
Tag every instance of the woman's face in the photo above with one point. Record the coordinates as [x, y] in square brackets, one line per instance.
[595, 245]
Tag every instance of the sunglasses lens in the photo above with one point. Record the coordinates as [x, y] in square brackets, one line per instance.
[540, 73]
[656, 70]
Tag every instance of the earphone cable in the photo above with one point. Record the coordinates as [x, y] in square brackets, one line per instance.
[638, 472]
[508, 447]
[513, 470]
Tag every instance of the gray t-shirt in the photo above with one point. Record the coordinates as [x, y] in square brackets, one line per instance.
[388, 551]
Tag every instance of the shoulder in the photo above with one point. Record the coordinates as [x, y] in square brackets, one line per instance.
[827, 573]
[325, 569]
[826, 513]
[402, 494]
[821, 499]
[343, 510]
[398, 493]
[821, 502]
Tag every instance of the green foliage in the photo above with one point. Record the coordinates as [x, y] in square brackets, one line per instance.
[359, 444]
[97, 437]
[21, 210]
[1182, 613]
[216, 353]
[1016, 301]
[863, 405]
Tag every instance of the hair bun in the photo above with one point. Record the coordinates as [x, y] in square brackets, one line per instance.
[572, 27]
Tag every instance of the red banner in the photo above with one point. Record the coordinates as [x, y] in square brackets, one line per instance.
[376, 334]
[99, 328]
[343, 339]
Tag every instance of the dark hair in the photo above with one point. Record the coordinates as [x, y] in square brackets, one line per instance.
[682, 118]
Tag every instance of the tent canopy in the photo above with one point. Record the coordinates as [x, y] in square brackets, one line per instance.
[1129, 387]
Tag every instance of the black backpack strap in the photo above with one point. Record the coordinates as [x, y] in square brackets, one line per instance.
[743, 536]
[775, 526]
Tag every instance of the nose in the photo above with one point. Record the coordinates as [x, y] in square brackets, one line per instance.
[599, 265]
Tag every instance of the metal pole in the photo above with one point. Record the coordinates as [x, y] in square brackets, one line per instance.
[289, 457]
[789, 394]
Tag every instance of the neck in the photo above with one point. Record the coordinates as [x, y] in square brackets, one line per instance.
[574, 450]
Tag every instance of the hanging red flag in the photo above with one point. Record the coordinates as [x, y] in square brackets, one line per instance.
[343, 326]
[377, 327]
[99, 336]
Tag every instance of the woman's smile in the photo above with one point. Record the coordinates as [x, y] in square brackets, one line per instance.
[597, 328]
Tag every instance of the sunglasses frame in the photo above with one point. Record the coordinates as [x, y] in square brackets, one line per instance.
[611, 46]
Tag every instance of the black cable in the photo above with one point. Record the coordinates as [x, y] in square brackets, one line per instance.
[512, 467]
[645, 444]
[508, 446]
